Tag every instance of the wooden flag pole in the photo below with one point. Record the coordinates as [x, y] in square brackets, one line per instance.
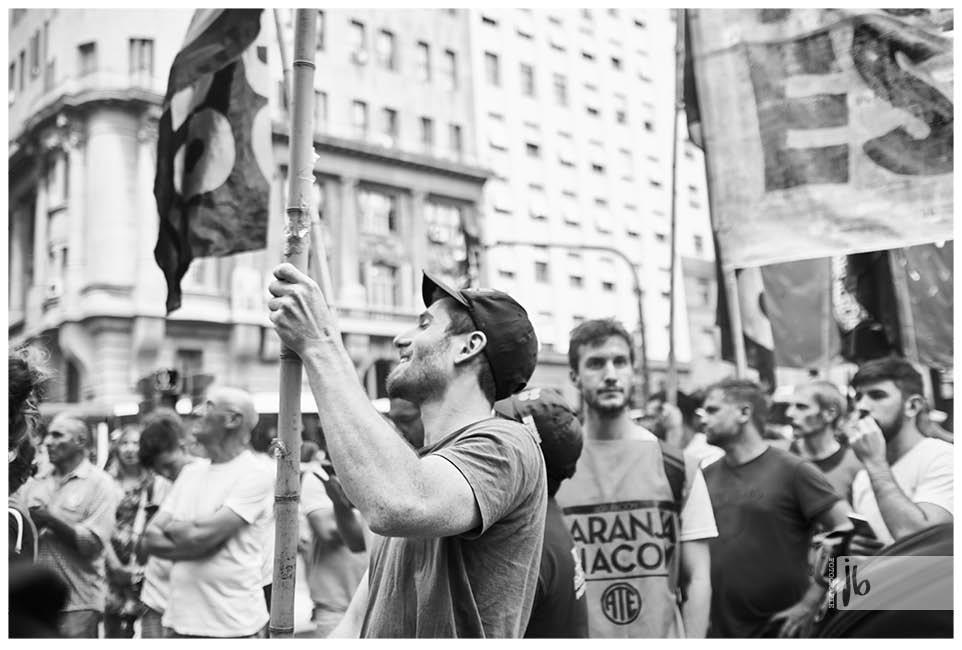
[671, 386]
[735, 319]
[297, 236]
[903, 300]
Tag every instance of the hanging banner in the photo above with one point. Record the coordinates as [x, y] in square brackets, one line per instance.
[827, 132]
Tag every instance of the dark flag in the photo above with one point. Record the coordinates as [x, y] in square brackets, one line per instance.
[213, 146]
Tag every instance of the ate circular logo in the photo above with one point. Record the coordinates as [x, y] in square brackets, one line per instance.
[621, 603]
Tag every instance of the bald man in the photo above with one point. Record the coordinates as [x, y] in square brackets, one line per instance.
[216, 524]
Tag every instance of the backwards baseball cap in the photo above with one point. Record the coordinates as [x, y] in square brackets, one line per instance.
[512, 348]
[556, 423]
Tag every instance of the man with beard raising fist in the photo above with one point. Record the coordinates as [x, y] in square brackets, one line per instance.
[638, 512]
[461, 520]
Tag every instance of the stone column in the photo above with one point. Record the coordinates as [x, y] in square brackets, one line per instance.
[350, 292]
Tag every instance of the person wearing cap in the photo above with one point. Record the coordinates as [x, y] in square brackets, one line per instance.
[74, 510]
[559, 609]
[460, 522]
[637, 509]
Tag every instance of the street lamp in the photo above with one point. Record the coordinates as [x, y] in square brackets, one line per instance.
[641, 363]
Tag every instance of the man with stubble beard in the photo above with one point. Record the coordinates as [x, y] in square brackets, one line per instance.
[637, 510]
[461, 520]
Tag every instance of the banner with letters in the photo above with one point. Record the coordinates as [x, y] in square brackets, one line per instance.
[827, 131]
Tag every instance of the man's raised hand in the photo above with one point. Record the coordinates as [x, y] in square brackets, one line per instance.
[298, 309]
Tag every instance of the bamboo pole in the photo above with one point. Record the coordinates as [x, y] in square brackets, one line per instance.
[735, 319]
[297, 236]
[903, 299]
[671, 387]
[282, 47]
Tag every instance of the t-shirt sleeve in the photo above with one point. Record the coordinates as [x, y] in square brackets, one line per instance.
[814, 493]
[936, 479]
[313, 495]
[98, 524]
[179, 489]
[697, 516]
[253, 496]
[500, 463]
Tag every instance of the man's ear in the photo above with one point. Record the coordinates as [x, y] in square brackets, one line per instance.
[471, 346]
[575, 378]
[745, 413]
[913, 406]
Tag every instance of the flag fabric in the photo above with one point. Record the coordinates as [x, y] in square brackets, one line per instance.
[213, 147]
[826, 131]
[928, 274]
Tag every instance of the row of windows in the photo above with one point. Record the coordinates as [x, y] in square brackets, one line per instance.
[388, 131]
[140, 61]
[387, 55]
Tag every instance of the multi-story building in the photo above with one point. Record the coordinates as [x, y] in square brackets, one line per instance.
[393, 108]
[575, 118]
[570, 110]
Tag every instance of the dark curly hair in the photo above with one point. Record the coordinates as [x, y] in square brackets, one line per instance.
[28, 376]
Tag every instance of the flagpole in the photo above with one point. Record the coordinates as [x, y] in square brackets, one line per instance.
[282, 46]
[671, 388]
[828, 323]
[735, 319]
[297, 235]
[903, 300]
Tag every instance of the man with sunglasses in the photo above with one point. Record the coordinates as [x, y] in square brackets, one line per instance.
[216, 524]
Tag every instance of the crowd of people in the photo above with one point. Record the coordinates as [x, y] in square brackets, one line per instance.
[477, 506]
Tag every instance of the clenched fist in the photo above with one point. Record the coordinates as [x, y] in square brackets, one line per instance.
[299, 310]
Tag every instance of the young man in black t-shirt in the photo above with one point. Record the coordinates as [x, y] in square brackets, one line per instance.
[560, 610]
[766, 502]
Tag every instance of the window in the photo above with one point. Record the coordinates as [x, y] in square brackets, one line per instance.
[389, 126]
[569, 209]
[455, 138]
[616, 63]
[377, 212]
[87, 53]
[649, 126]
[587, 56]
[576, 281]
[537, 203]
[386, 56]
[533, 150]
[142, 56]
[561, 89]
[451, 69]
[566, 149]
[320, 110]
[661, 237]
[704, 291]
[497, 135]
[689, 154]
[488, 20]
[492, 70]
[527, 80]
[621, 109]
[427, 134]
[603, 221]
[627, 164]
[699, 243]
[424, 61]
[357, 41]
[598, 157]
[541, 272]
[382, 289]
[654, 183]
[693, 189]
[35, 55]
[359, 119]
[12, 82]
[442, 223]
[592, 111]
[607, 271]
[320, 30]
[23, 69]
[505, 275]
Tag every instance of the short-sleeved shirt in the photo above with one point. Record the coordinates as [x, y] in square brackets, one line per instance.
[86, 498]
[560, 610]
[925, 473]
[627, 526]
[480, 583]
[221, 595]
[765, 510]
[332, 570]
[840, 468]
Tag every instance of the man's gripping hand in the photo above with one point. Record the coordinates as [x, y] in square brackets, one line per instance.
[299, 310]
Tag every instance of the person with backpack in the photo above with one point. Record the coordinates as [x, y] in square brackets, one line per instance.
[639, 514]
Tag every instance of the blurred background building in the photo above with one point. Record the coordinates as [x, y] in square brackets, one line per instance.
[440, 132]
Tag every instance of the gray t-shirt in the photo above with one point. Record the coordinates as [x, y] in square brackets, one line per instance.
[480, 583]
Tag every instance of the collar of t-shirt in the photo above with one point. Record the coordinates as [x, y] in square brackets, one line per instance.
[443, 442]
[80, 471]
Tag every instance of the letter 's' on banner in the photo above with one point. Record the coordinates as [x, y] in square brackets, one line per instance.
[213, 146]
[827, 132]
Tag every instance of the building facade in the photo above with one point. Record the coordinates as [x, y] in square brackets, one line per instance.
[439, 133]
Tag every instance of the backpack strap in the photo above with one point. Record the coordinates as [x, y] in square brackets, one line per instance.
[674, 462]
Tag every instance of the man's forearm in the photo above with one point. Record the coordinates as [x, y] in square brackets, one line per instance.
[901, 515]
[377, 469]
[695, 609]
[66, 533]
